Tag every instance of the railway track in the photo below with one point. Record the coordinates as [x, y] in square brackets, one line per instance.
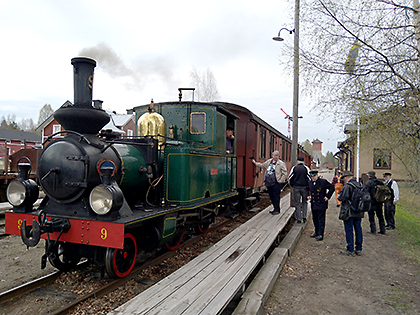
[2, 234]
[31, 286]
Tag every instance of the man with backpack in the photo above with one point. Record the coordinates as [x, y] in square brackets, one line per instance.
[376, 205]
[351, 213]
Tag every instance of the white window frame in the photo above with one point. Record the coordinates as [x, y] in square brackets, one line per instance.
[56, 128]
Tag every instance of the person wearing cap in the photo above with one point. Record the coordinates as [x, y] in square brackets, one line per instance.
[390, 205]
[352, 219]
[376, 207]
[298, 180]
[320, 191]
[274, 180]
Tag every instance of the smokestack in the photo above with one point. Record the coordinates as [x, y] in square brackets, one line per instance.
[83, 81]
[82, 117]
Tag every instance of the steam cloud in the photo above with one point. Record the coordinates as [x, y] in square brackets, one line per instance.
[138, 74]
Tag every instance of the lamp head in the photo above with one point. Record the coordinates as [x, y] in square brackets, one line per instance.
[278, 38]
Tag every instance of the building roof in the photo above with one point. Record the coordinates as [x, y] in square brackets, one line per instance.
[51, 117]
[120, 120]
[117, 122]
[19, 135]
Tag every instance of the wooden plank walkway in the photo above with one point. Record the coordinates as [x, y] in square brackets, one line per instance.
[209, 282]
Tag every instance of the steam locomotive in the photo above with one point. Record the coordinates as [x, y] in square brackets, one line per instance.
[108, 198]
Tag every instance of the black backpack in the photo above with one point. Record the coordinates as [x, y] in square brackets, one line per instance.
[381, 192]
[360, 199]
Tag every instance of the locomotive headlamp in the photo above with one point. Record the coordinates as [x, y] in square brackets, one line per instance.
[16, 193]
[104, 198]
[23, 192]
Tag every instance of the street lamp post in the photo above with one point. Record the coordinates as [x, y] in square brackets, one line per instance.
[295, 114]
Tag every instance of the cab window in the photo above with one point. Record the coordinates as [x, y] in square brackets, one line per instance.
[198, 123]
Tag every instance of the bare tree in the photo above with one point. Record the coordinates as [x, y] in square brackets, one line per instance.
[382, 69]
[205, 85]
[360, 59]
[45, 112]
[27, 124]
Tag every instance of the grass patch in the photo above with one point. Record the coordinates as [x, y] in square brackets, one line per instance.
[407, 220]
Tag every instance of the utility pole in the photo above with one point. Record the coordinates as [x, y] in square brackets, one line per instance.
[295, 114]
[295, 85]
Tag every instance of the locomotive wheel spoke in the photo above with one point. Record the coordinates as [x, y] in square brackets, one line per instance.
[120, 262]
[175, 242]
[62, 258]
[202, 228]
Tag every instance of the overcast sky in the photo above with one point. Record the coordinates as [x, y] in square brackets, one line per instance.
[147, 49]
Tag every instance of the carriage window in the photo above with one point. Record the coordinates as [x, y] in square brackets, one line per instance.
[198, 123]
[283, 154]
[271, 143]
[263, 144]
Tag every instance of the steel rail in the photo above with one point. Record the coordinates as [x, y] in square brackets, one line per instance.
[28, 287]
[9, 295]
[113, 285]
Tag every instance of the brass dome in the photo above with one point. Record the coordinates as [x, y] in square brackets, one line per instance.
[152, 124]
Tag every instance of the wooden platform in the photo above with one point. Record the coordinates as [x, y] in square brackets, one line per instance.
[208, 283]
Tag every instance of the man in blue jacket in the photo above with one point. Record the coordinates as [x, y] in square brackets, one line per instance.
[352, 219]
[320, 191]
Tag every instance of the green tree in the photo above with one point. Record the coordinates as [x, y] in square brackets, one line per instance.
[329, 158]
[4, 123]
[307, 146]
[9, 122]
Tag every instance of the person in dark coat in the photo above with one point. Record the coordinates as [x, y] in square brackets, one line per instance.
[352, 219]
[298, 180]
[320, 191]
[376, 207]
[230, 138]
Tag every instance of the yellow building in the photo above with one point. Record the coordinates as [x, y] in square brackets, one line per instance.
[375, 154]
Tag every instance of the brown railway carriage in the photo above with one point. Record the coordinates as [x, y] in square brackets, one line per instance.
[256, 139]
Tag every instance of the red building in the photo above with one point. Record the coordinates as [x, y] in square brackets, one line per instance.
[12, 141]
[122, 125]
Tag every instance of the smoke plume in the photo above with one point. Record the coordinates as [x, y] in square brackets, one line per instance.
[138, 74]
